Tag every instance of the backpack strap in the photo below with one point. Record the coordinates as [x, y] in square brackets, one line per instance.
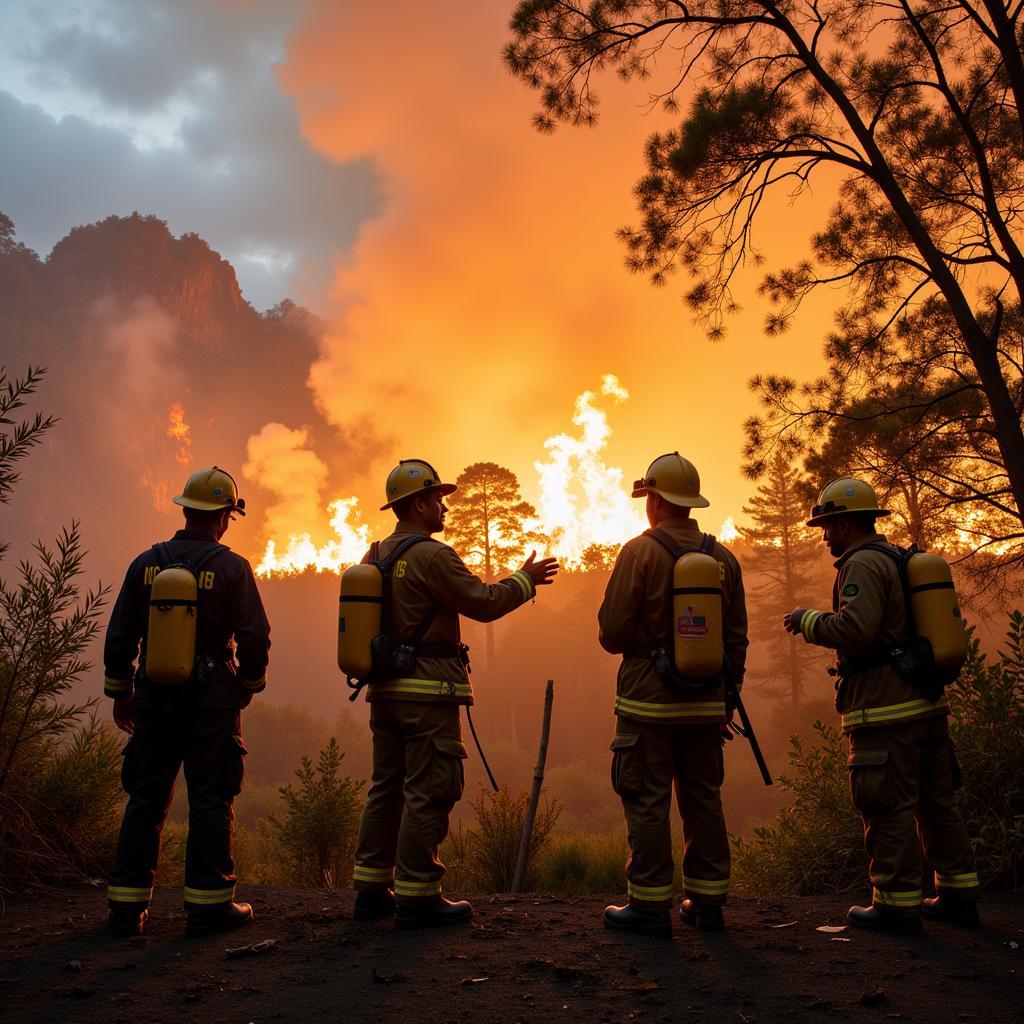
[901, 556]
[385, 565]
[207, 556]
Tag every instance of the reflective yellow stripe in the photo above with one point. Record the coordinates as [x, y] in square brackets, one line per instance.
[690, 709]
[254, 684]
[892, 712]
[364, 874]
[706, 886]
[116, 685]
[653, 893]
[897, 899]
[126, 894]
[524, 582]
[208, 896]
[965, 881]
[807, 622]
[404, 888]
[424, 687]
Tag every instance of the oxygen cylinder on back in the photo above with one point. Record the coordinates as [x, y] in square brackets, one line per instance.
[359, 618]
[936, 610]
[697, 615]
[171, 634]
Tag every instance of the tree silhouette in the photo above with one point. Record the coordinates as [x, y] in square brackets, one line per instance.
[781, 568]
[919, 108]
[486, 517]
[485, 524]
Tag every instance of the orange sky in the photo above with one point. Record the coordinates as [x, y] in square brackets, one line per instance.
[491, 289]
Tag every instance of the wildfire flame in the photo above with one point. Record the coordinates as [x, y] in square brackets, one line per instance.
[583, 503]
[582, 500]
[301, 554]
[178, 430]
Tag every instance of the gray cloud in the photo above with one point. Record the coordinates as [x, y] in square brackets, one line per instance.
[241, 176]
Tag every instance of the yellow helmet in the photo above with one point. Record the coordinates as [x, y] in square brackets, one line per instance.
[210, 490]
[675, 479]
[847, 494]
[411, 476]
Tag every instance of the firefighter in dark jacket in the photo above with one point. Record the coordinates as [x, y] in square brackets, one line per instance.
[417, 739]
[669, 737]
[902, 765]
[196, 723]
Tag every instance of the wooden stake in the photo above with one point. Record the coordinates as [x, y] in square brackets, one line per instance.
[538, 781]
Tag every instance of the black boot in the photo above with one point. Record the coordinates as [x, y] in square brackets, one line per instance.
[222, 917]
[433, 913]
[128, 919]
[964, 915]
[656, 923]
[706, 918]
[875, 919]
[373, 905]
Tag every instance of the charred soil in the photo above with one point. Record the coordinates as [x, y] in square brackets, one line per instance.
[531, 958]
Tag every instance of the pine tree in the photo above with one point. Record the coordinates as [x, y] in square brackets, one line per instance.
[485, 525]
[781, 571]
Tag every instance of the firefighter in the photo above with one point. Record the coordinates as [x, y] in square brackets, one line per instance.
[414, 718]
[665, 735]
[196, 723]
[902, 765]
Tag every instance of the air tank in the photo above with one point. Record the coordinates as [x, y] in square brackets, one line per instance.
[359, 618]
[171, 634]
[697, 615]
[936, 610]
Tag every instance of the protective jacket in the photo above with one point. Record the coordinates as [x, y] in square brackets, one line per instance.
[639, 591]
[230, 625]
[430, 581]
[869, 617]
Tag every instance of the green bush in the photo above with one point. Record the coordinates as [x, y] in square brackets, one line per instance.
[816, 843]
[318, 833]
[79, 784]
[583, 865]
[484, 858]
[988, 729]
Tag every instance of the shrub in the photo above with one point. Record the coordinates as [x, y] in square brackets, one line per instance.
[484, 857]
[988, 729]
[816, 844]
[318, 832]
[583, 865]
[79, 785]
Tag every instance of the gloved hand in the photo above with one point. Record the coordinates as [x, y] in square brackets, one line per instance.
[792, 621]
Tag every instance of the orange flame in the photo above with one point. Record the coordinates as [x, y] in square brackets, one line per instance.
[301, 554]
[582, 500]
[178, 430]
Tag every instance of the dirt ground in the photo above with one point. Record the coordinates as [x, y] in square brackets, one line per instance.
[522, 959]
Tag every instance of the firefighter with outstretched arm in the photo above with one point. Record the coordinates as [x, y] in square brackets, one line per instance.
[415, 706]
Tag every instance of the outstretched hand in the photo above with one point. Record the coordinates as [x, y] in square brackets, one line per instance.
[543, 572]
[792, 620]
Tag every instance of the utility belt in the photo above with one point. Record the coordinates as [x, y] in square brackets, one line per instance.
[662, 659]
[442, 649]
[913, 661]
[205, 664]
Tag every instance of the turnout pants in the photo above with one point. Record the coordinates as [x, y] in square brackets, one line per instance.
[647, 761]
[170, 733]
[418, 777]
[900, 776]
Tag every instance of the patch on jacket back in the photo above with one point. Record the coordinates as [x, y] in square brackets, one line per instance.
[690, 626]
[851, 590]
